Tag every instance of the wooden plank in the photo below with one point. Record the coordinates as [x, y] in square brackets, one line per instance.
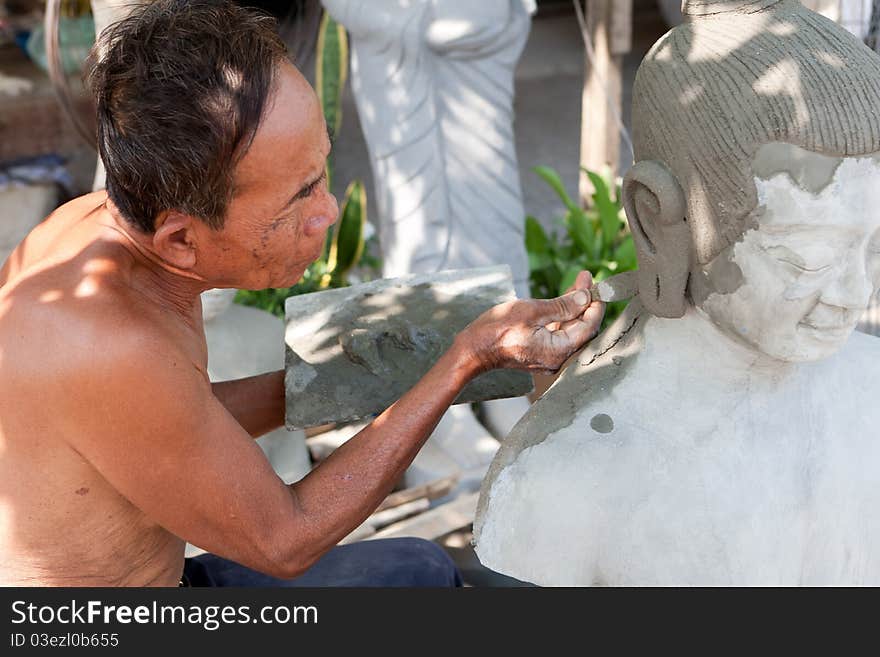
[430, 491]
[437, 522]
[387, 517]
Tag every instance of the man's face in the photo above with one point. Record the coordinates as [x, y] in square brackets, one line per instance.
[277, 221]
[795, 287]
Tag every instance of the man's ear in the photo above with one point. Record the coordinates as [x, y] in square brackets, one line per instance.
[657, 212]
[175, 239]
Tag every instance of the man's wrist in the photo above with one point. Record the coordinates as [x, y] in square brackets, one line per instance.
[465, 358]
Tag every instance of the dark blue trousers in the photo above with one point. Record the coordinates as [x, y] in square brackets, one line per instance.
[388, 562]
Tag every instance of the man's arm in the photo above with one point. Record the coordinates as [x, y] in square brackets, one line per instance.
[343, 490]
[147, 420]
[150, 424]
[256, 402]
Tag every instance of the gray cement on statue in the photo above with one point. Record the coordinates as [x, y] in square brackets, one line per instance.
[735, 442]
[352, 352]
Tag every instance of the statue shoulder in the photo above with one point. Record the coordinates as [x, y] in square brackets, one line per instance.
[588, 379]
[858, 362]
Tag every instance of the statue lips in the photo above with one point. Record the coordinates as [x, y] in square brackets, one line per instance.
[828, 332]
[830, 323]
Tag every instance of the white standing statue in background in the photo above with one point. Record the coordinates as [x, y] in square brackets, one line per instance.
[433, 82]
[726, 430]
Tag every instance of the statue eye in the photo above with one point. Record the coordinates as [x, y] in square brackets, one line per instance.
[791, 259]
[808, 270]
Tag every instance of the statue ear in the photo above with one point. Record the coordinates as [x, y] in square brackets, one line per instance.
[657, 212]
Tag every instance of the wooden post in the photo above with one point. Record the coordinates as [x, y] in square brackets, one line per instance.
[609, 26]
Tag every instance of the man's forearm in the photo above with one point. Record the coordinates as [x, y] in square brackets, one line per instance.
[257, 402]
[339, 494]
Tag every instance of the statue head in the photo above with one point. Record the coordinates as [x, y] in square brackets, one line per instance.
[757, 176]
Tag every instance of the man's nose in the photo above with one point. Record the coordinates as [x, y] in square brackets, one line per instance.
[852, 289]
[332, 207]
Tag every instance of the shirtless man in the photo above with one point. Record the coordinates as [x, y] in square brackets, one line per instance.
[115, 448]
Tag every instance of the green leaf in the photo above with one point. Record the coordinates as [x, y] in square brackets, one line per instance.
[536, 239]
[606, 207]
[625, 254]
[582, 233]
[539, 261]
[552, 178]
[331, 70]
[348, 239]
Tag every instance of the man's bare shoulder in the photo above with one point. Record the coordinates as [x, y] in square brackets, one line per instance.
[74, 318]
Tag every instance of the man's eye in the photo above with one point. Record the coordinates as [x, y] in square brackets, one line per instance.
[311, 188]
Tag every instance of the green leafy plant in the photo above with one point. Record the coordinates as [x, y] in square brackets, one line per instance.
[595, 238]
[345, 247]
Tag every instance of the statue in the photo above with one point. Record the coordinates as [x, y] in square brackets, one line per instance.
[724, 430]
[433, 83]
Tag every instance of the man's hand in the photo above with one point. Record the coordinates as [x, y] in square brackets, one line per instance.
[537, 335]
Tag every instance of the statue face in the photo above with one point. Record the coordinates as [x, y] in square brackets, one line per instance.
[795, 286]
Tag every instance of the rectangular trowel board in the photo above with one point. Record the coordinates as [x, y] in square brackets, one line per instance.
[352, 352]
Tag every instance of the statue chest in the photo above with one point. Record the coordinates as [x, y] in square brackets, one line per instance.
[742, 493]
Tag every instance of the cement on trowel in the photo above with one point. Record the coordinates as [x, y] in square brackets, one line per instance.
[352, 352]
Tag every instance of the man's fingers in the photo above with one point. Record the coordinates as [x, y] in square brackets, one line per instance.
[584, 281]
[586, 326]
[579, 332]
[594, 314]
[562, 309]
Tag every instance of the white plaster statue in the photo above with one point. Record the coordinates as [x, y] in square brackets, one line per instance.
[433, 83]
[725, 430]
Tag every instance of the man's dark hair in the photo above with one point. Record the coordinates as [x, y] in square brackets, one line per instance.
[180, 87]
